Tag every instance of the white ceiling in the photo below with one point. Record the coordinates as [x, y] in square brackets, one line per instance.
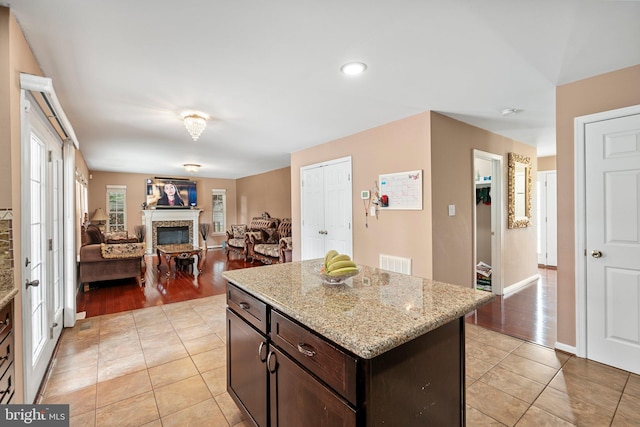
[268, 71]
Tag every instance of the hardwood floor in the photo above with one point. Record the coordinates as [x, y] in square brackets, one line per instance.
[529, 314]
[124, 295]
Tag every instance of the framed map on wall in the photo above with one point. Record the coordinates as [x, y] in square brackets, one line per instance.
[403, 190]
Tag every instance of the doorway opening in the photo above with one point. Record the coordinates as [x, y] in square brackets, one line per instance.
[488, 221]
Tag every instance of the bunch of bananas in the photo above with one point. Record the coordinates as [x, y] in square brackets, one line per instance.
[336, 264]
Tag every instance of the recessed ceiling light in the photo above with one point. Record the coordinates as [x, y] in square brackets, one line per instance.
[353, 68]
[509, 111]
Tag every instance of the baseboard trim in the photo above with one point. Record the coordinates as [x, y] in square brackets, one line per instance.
[519, 285]
[565, 348]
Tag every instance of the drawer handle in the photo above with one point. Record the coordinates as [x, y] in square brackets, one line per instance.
[244, 305]
[306, 349]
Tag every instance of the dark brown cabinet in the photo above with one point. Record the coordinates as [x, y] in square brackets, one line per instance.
[281, 373]
[298, 399]
[247, 373]
[7, 380]
[268, 384]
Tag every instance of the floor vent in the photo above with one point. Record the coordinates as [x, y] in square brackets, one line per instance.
[395, 263]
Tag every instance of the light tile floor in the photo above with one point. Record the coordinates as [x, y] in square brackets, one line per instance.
[166, 366]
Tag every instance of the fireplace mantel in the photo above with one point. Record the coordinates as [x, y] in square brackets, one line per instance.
[151, 216]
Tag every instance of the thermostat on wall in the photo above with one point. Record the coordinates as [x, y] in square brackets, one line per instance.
[365, 195]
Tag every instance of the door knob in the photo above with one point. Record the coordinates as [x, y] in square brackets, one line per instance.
[32, 283]
[596, 253]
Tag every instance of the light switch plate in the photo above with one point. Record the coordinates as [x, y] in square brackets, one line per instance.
[452, 210]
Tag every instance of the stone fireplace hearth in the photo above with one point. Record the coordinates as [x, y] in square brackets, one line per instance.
[174, 218]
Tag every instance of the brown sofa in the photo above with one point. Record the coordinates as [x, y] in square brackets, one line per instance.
[237, 236]
[120, 258]
[266, 246]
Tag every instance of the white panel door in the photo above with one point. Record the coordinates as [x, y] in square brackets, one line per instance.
[312, 209]
[338, 208]
[612, 164]
[547, 219]
[326, 208]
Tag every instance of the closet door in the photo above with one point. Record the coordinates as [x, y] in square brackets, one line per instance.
[547, 219]
[312, 200]
[326, 208]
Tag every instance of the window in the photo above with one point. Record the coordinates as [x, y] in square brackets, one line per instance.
[219, 204]
[116, 208]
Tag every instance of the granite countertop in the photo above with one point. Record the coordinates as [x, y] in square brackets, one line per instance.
[370, 313]
[7, 291]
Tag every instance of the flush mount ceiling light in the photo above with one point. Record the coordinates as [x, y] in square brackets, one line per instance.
[191, 167]
[195, 122]
[353, 68]
[509, 111]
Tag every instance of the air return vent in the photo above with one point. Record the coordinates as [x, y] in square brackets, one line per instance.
[395, 263]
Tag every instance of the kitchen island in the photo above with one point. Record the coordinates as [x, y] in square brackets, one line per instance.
[381, 349]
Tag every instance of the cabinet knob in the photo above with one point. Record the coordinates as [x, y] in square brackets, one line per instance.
[244, 305]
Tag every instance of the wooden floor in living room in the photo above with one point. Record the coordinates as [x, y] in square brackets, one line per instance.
[123, 295]
[529, 314]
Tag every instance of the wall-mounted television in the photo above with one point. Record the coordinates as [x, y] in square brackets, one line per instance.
[171, 193]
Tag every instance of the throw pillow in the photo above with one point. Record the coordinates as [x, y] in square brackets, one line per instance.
[94, 235]
[114, 235]
[270, 236]
[127, 240]
[238, 231]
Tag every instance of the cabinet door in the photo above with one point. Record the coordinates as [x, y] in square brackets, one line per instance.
[298, 399]
[246, 372]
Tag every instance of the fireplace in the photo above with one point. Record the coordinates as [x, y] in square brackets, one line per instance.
[179, 225]
[172, 235]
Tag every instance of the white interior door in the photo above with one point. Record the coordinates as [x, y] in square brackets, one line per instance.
[326, 208]
[612, 202]
[41, 247]
[338, 207]
[547, 219]
[312, 210]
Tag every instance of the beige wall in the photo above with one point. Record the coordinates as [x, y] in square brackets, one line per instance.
[547, 163]
[15, 57]
[452, 144]
[596, 94]
[136, 195]
[395, 147]
[266, 192]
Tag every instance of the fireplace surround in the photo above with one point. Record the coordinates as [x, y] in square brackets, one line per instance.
[170, 218]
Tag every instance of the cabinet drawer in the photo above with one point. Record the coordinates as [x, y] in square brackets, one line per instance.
[6, 323]
[248, 307]
[333, 366]
[6, 353]
[7, 385]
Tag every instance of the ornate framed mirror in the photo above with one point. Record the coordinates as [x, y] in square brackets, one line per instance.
[519, 191]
